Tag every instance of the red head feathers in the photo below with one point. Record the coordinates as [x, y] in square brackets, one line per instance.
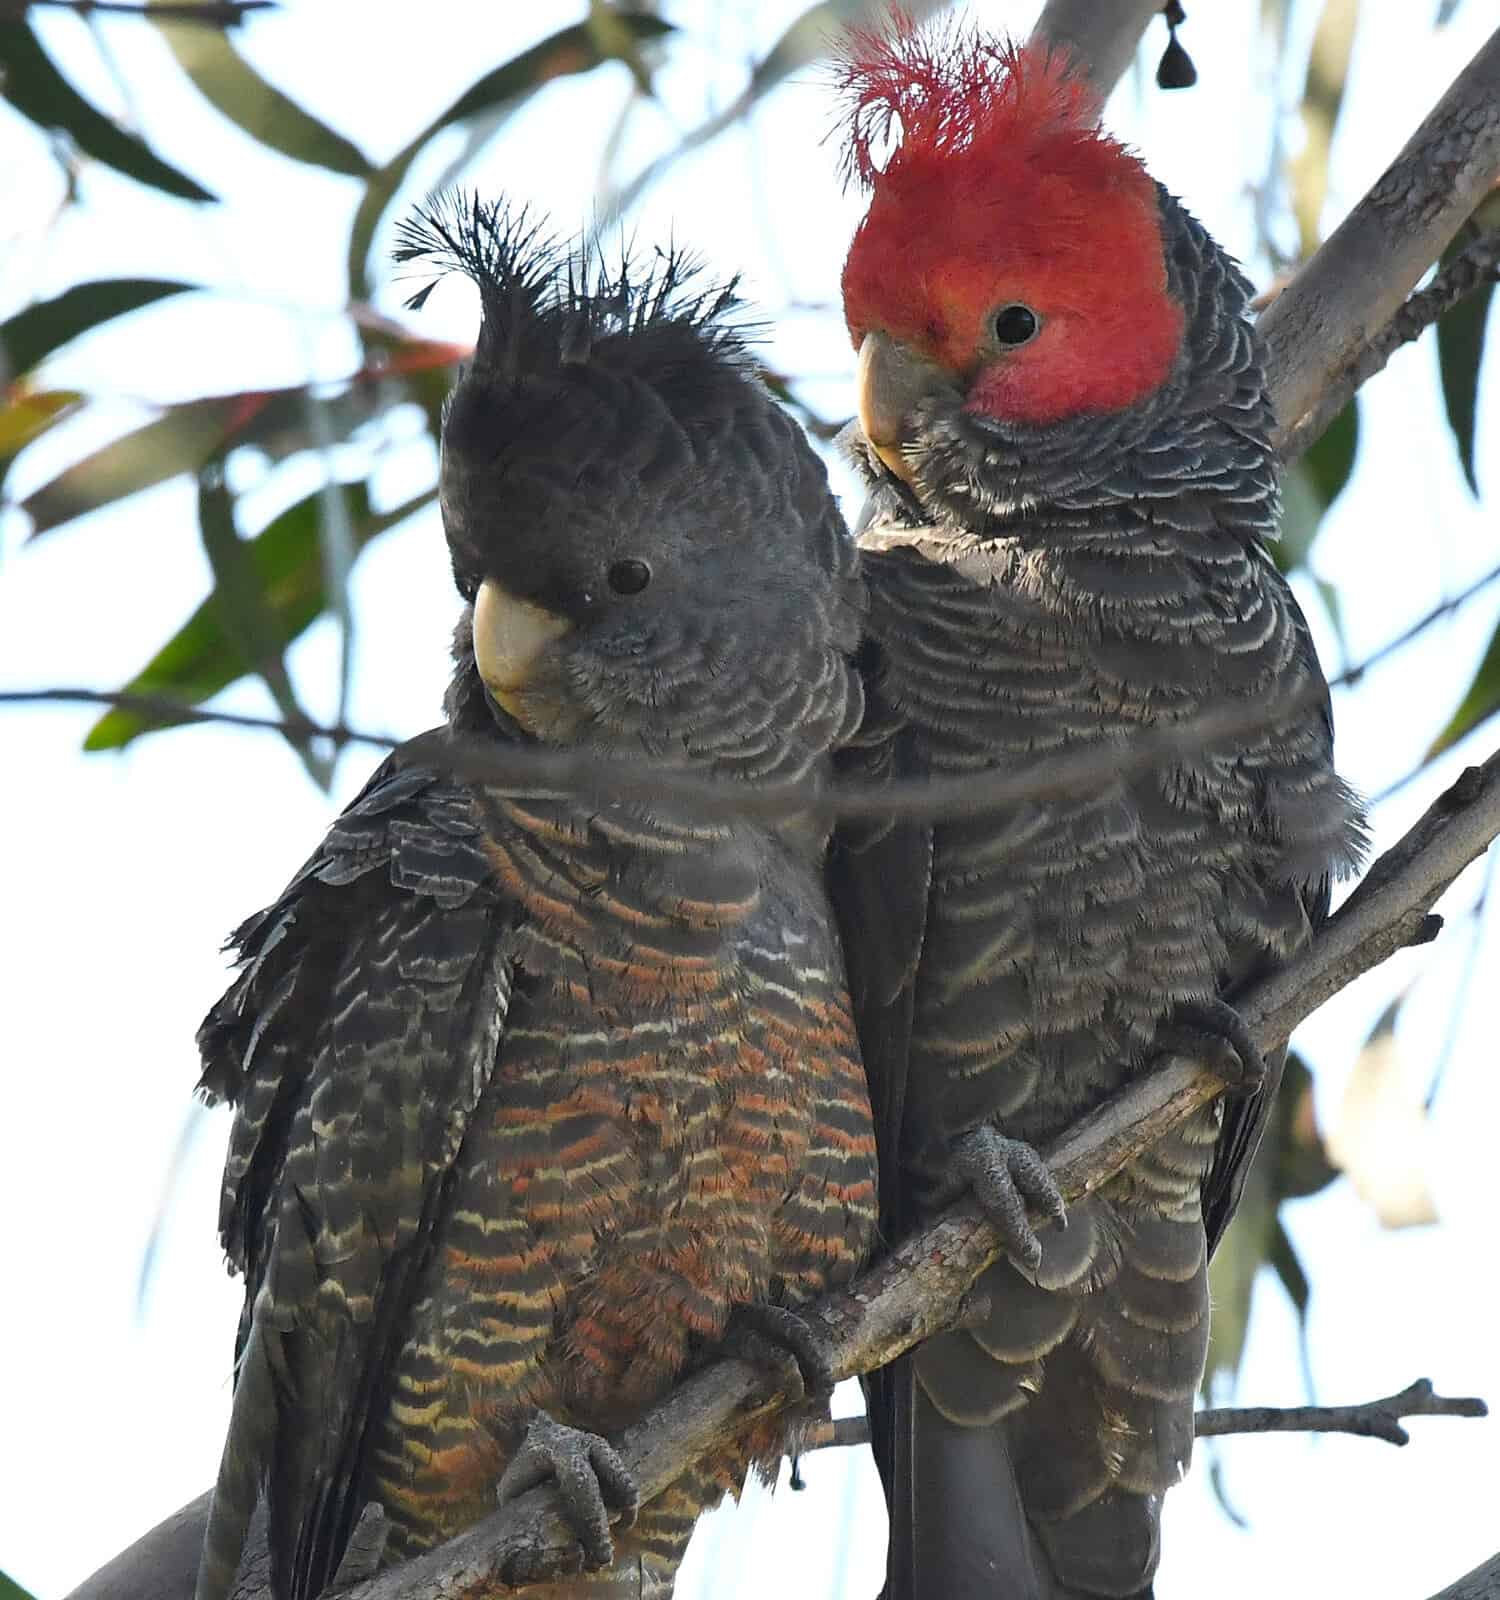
[1003, 192]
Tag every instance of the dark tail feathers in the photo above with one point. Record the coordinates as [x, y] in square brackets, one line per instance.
[958, 1530]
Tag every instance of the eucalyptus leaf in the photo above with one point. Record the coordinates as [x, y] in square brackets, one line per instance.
[203, 657]
[29, 337]
[25, 417]
[277, 422]
[180, 440]
[39, 92]
[1480, 702]
[238, 92]
[1460, 342]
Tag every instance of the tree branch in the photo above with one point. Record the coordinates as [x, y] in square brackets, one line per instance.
[1476, 264]
[1374, 1419]
[1483, 1583]
[1101, 35]
[1318, 326]
[920, 1288]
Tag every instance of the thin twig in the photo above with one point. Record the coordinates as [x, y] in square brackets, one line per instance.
[1373, 1419]
[534, 770]
[1477, 264]
[1352, 675]
[837, 1434]
[920, 1287]
[537, 772]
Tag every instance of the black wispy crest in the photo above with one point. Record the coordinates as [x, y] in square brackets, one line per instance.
[536, 291]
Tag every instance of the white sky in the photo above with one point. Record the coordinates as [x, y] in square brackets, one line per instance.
[123, 874]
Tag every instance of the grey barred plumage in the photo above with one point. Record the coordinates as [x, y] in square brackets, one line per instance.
[1044, 574]
[531, 1094]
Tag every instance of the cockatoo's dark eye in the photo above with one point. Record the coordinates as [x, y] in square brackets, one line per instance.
[1016, 324]
[629, 576]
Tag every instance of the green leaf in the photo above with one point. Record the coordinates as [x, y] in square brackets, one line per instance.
[1460, 341]
[39, 91]
[25, 416]
[203, 657]
[278, 422]
[237, 91]
[1330, 460]
[1302, 1166]
[29, 337]
[247, 620]
[1291, 1163]
[1310, 486]
[339, 547]
[1232, 1273]
[180, 440]
[1284, 1263]
[573, 50]
[1481, 701]
[11, 1590]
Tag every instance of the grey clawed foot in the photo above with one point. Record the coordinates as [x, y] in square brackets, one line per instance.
[590, 1478]
[366, 1548]
[1214, 1033]
[1006, 1176]
[795, 1353]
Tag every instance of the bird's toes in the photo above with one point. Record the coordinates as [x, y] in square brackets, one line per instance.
[794, 1352]
[1214, 1034]
[590, 1478]
[1007, 1176]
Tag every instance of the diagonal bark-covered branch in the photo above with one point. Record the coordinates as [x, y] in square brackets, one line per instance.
[1338, 304]
[1477, 264]
[921, 1286]
[1483, 1583]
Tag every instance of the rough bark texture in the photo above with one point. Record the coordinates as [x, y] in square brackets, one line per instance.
[1483, 1583]
[1473, 267]
[1357, 282]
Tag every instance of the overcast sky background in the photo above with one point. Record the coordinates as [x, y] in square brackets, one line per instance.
[123, 874]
